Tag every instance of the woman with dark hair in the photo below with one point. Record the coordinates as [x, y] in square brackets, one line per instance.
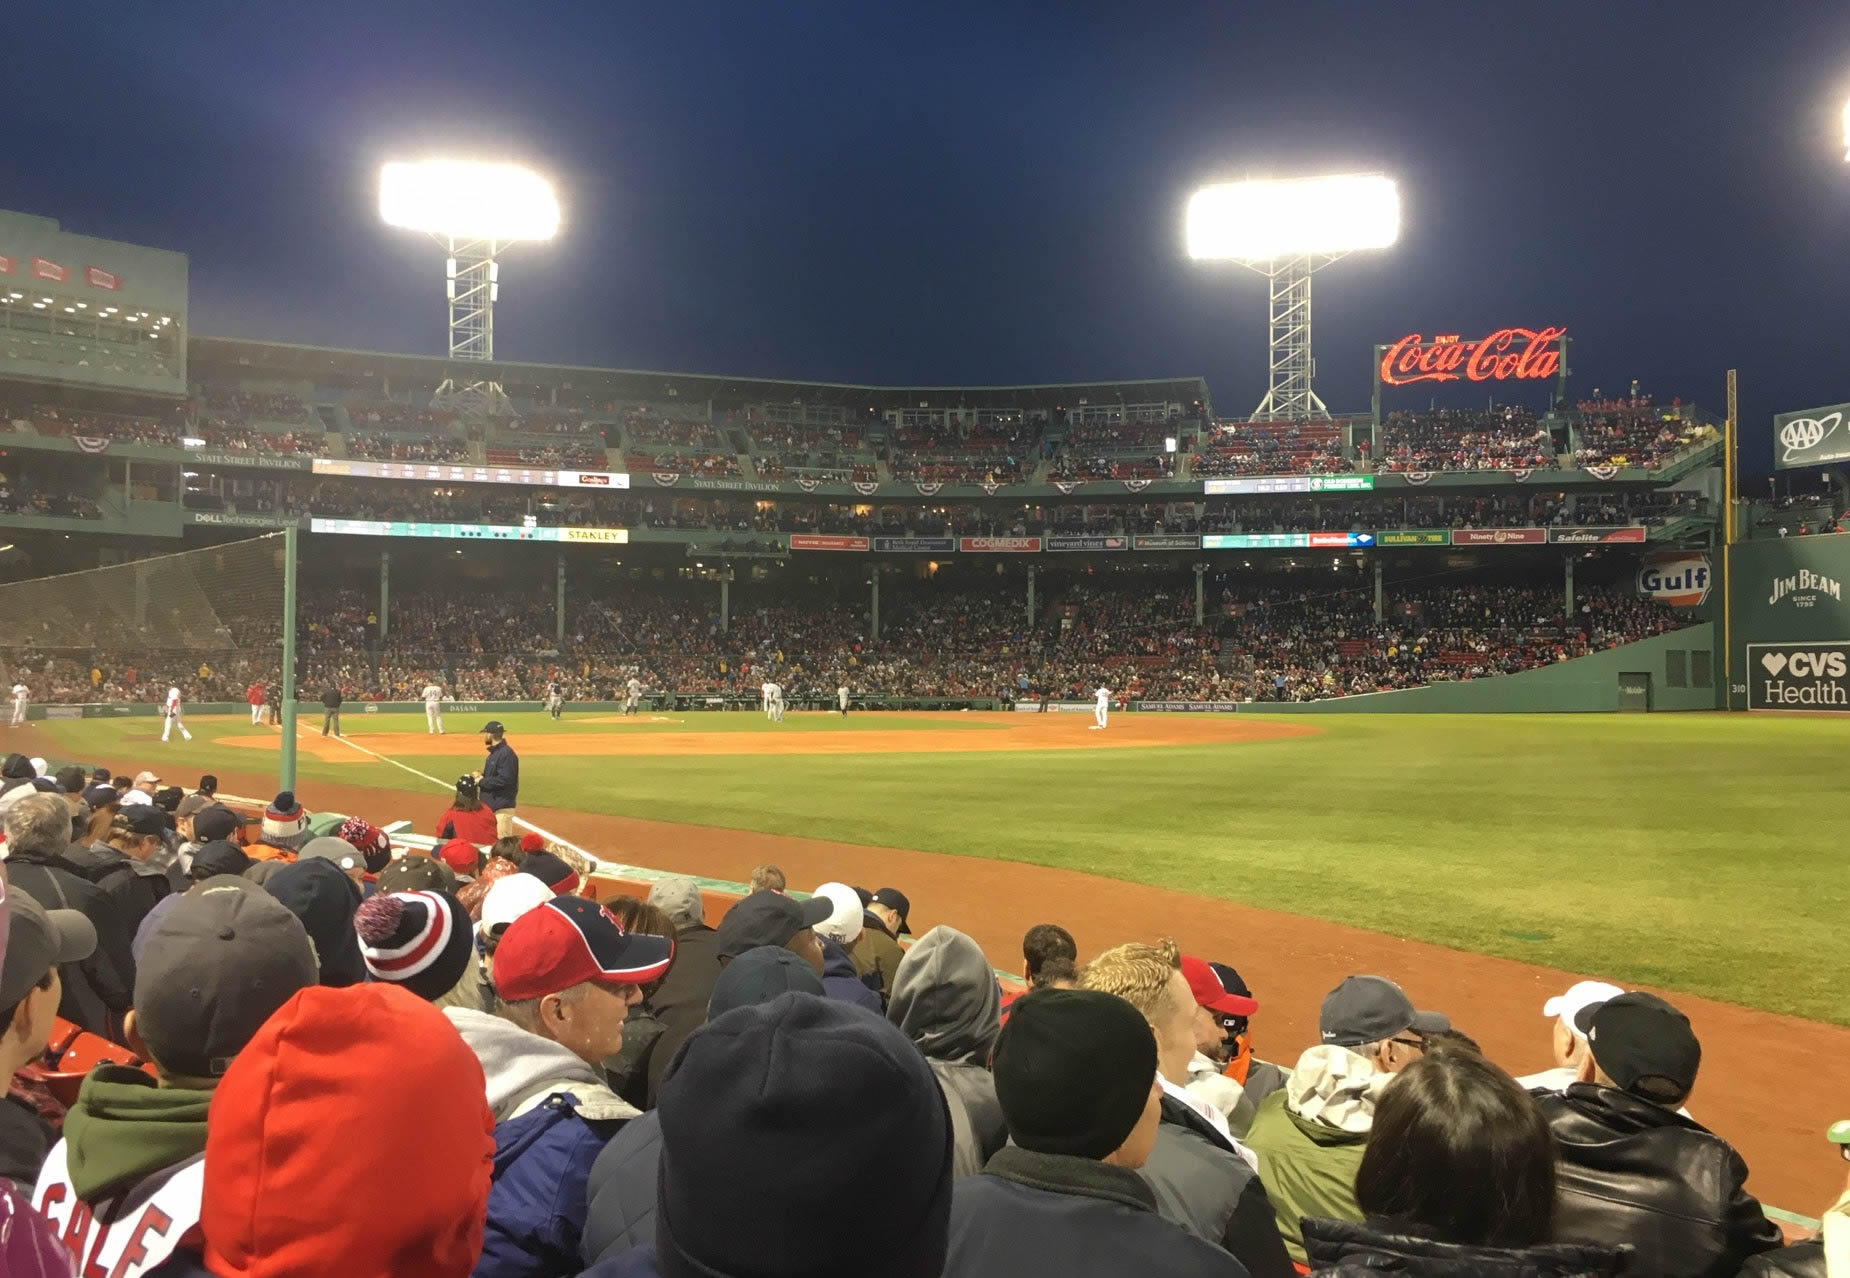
[1458, 1179]
[466, 817]
[628, 1070]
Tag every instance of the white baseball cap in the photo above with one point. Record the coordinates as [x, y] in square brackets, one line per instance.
[130, 798]
[510, 897]
[1580, 996]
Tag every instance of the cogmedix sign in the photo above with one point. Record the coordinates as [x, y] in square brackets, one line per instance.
[1799, 676]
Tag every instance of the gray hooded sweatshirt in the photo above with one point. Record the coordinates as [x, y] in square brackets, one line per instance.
[946, 1001]
[522, 1069]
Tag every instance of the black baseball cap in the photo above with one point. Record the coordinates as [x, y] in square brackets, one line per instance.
[494, 726]
[1644, 1045]
[1368, 1009]
[467, 784]
[208, 784]
[142, 818]
[896, 901]
[416, 874]
[218, 964]
[219, 856]
[37, 940]
[768, 918]
[758, 976]
[215, 822]
[97, 795]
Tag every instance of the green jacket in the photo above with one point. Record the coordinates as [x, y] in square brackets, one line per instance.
[1308, 1168]
[124, 1128]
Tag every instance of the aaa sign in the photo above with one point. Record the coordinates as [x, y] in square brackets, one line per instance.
[1524, 354]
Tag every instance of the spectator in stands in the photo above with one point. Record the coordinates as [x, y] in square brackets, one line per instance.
[466, 817]
[345, 857]
[771, 918]
[1204, 1179]
[39, 943]
[623, 1180]
[945, 1000]
[877, 954]
[1458, 1177]
[219, 857]
[211, 971]
[122, 864]
[680, 1002]
[1222, 1006]
[1633, 1170]
[868, 1184]
[420, 940]
[627, 1071]
[565, 976]
[1309, 1134]
[97, 991]
[285, 830]
[1047, 943]
[416, 1144]
[768, 878]
[322, 897]
[1076, 1075]
[29, 1248]
[836, 935]
[1569, 1040]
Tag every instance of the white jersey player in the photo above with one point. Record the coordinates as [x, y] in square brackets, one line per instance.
[555, 698]
[173, 716]
[632, 695]
[764, 697]
[841, 699]
[433, 708]
[777, 701]
[1101, 706]
[20, 696]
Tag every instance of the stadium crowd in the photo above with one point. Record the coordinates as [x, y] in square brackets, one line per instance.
[280, 1045]
[1464, 439]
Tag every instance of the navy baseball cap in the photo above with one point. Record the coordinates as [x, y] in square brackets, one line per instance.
[1644, 1045]
[767, 918]
[568, 941]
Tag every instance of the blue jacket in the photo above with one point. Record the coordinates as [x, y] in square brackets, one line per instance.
[638, 1263]
[536, 1206]
[840, 980]
[500, 777]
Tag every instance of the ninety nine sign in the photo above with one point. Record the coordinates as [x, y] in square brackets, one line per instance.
[1499, 536]
[808, 541]
[1524, 354]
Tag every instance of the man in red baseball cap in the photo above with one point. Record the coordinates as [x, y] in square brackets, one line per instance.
[1224, 1071]
[565, 976]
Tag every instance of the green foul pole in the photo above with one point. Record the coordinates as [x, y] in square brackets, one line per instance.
[288, 706]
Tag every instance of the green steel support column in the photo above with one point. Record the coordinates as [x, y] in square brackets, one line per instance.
[725, 601]
[558, 623]
[385, 595]
[1378, 590]
[1201, 611]
[874, 581]
[1030, 595]
[288, 743]
[1568, 612]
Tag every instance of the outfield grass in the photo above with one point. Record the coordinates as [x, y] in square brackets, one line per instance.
[1695, 852]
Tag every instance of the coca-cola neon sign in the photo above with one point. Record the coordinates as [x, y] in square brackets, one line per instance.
[1523, 354]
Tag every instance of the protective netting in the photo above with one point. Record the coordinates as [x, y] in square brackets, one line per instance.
[209, 620]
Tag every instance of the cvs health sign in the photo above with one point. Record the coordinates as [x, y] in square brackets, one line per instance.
[1799, 676]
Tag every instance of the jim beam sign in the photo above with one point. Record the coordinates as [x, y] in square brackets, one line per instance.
[1811, 437]
[1799, 676]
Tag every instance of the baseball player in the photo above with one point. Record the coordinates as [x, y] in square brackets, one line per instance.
[632, 695]
[841, 699]
[173, 716]
[20, 695]
[433, 708]
[764, 691]
[555, 698]
[1101, 707]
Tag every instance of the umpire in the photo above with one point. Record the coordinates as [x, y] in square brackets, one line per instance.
[330, 705]
[500, 788]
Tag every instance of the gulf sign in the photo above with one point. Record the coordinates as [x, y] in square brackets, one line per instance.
[1679, 579]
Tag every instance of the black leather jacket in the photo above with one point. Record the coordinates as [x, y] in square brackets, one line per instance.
[1343, 1248]
[1636, 1173]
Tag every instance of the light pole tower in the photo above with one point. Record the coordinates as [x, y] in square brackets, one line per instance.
[476, 211]
[1287, 231]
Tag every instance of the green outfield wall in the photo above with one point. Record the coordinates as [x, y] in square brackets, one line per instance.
[1786, 599]
[1675, 671]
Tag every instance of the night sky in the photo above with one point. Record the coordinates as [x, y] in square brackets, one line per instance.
[963, 193]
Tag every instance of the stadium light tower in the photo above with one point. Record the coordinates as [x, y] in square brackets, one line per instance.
[475, 210]
[1287, 230]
